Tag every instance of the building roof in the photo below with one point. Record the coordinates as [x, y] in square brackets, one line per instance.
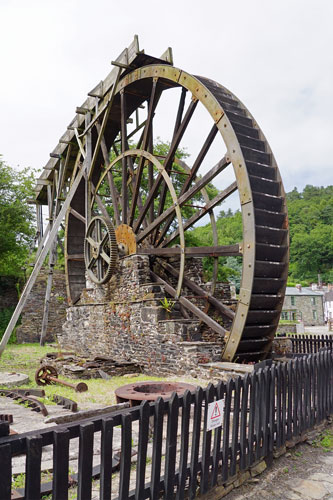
[292, 290]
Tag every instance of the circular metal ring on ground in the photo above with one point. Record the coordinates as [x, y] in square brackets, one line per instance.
[150, 391]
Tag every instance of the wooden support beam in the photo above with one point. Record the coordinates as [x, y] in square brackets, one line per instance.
[31, 281]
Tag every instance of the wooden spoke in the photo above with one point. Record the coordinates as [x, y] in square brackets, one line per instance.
[145, 139]
[192, 174]
[197, 216]
[77, 215]
[185, 197]
[177, 125]
[113, 190]
[191, 307]
[115, 197]
[124, 198]
[168, 162]
[224, 310]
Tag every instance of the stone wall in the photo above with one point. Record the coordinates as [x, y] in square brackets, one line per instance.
[32, 315]
[8, 291]
[124, 319]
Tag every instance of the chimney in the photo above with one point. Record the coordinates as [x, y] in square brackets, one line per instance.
[299, 288]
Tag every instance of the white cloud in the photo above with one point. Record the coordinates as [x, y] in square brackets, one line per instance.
[275, 56]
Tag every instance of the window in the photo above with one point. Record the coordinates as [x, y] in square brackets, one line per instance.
[292, 300]
[293, 316]
[314, 315]
[284, 315]
[313, 301]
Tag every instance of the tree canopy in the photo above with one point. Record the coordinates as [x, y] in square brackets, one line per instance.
[17, 225]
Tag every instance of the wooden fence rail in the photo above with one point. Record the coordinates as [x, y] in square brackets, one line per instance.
[175, 454]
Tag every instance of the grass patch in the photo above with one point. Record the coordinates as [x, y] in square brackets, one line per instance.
[325, 441]
[25, 358]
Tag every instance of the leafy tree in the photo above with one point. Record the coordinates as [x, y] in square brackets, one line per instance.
[16, 219]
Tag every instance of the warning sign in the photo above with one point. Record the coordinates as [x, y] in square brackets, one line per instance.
[215, 414]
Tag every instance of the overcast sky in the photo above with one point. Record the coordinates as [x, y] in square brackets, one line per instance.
[276, 56]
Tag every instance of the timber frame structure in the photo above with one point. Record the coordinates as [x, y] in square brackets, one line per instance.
[117, 195]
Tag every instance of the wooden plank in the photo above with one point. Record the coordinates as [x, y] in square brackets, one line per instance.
[142, 450]
[157, 448]
[106, 459]
[243, 439]
[258, 414]
[171, 447]
[60, 464]
[265, 407]
[86, 451]
[226, 430]
[198, 398]
[278, 406]
[33, 468]
[191, 307]
[206, 441]
[252, 410]
[199, 291]
[290, 402]
[185, 430]
[284, 401]
[271, 402]
[125, 460]
[212, 251]
[235, 426]
[220, 391]
[5, 471]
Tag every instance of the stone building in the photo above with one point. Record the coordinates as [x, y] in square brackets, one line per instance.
[130, 319]
[303, 304]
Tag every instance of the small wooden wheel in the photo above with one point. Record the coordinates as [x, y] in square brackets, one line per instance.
[43, 373]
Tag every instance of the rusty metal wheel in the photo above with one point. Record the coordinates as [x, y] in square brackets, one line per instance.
[42, 374]
[100, 250]
[153, 199]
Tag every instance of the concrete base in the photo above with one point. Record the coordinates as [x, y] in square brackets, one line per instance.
[13, 379]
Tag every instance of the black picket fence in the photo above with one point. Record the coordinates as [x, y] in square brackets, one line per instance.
[166, 450]
[308, 344]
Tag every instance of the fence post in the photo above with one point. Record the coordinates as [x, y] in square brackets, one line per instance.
[157, 448]
[220, 390]
[142, 450]
[60, 464]
[186, 412]
[206, 441]
[243, 424]
[195, 442]
[171, 447]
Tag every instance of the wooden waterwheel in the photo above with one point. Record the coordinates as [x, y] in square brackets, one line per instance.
[131, 199]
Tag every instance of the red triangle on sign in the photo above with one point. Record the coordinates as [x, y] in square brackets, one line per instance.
[216, 412]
